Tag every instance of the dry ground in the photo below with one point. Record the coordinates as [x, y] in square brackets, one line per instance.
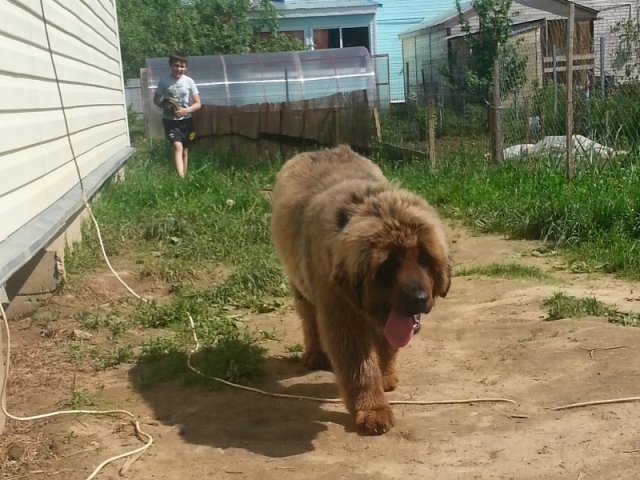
[487, 339]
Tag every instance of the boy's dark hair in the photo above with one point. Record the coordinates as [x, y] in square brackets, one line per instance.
[176, 57]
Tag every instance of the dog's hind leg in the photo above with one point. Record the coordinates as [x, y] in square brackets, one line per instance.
[313, 357]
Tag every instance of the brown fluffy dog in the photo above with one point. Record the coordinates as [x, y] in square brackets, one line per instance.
[363, 257]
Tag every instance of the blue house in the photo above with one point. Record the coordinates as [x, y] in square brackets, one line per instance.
[375, 25]
[321, 24]
[394, 17]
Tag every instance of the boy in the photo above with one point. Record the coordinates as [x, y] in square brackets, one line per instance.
[178, 97]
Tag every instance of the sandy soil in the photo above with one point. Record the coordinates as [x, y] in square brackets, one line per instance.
[489, 338]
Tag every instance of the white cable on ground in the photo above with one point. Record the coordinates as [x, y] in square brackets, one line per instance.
[139, 433]
[597, 402]
[135, 421]
[3, 388]
[320, 399]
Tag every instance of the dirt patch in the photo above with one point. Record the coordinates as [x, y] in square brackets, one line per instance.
[489, 338]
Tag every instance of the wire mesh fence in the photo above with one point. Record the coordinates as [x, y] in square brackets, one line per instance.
[605, 100]
[444, 113]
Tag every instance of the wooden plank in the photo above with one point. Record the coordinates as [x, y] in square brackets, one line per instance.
[317, 122]
[222, 125]
[575, 68]
[246, 121]
[270, 118]
[204, 120]
[569, 105]
[431, 133]
[310, 124]
[376, 123]
[495, 120]
[358, 119]
[291, 121]
[563, 58]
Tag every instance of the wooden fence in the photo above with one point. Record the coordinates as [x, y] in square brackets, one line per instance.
[277, 128]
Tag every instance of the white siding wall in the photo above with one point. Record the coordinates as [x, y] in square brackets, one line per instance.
[409, 61]
[36, 163]
[610, 12]
[428, 52]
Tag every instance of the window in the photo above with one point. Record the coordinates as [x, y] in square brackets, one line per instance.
[341, 38]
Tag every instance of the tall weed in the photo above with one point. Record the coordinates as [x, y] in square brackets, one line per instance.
[595, 217]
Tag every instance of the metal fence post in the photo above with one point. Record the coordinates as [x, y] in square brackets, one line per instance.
[286, 83]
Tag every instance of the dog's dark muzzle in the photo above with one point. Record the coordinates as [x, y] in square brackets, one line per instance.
[414, 300]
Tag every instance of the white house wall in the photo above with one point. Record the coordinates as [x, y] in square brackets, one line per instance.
[36, 161]
[610, 13]
[428, 52]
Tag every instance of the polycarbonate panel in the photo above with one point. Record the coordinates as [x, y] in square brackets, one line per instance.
[256, 78]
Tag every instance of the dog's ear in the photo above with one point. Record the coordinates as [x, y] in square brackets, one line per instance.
[442, 280]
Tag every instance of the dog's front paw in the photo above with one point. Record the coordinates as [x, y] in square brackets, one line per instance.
[316, 360]
[375, 421]
[389, 382]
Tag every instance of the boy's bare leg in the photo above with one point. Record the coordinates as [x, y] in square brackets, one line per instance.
[178, 152]
[185, 159]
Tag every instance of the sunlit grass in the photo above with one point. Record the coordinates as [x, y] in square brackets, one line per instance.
[562, 306]
[594, 219]
[504, 270]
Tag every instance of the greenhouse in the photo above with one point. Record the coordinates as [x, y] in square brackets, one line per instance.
[257, 78]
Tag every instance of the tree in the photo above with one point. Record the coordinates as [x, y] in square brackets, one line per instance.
[627, 52]
[157, 28]
[491, 40]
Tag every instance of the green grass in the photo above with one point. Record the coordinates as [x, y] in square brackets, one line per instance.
[176, 230]
[98, 320]
[175, 226]
[109, 358]
[294, 351]
[562, 306]
[501, 270]
[595, 218]
[80, 398]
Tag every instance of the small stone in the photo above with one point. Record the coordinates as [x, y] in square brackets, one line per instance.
[15, 452]
[56, 446]
[81, 335]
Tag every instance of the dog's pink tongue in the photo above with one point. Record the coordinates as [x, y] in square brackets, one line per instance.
[399, 329]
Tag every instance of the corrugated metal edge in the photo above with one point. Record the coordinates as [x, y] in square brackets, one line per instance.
[19, 247]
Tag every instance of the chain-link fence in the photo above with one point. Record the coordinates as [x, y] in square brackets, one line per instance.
[605, 100]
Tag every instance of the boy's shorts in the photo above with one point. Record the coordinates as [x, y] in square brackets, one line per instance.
[179, 131]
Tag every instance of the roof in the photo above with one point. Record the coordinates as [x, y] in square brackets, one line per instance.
[554, 7]
[561, 8]
[516, 28]
[443, 20]
[290, 5]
